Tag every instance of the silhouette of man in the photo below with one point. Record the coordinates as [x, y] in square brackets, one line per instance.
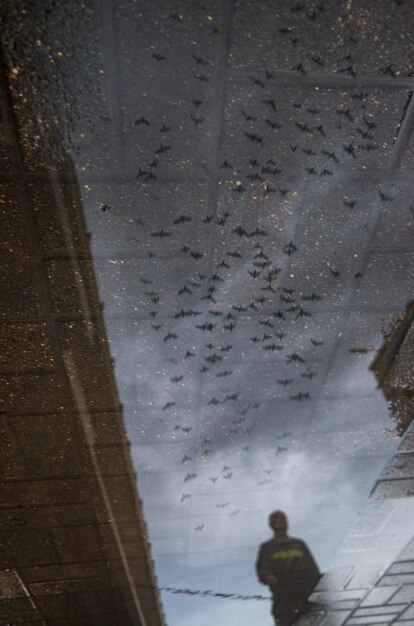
[287, 566]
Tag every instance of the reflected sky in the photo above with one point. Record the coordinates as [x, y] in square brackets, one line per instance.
[245, 301]
[252, 229]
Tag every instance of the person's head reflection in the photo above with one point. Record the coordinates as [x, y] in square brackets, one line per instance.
[287, 566]
[278, 522]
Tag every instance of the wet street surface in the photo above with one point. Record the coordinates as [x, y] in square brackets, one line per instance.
[207, 310]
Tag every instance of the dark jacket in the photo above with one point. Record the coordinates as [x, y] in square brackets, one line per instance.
[294, 567]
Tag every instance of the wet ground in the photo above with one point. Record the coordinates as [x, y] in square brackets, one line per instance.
[233, 181]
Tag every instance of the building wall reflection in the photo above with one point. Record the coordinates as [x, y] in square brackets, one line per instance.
[74, 547]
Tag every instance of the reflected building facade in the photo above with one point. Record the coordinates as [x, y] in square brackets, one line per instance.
[74, 544]
[393, 367]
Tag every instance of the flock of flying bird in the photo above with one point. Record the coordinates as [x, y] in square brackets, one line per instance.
[274, 304]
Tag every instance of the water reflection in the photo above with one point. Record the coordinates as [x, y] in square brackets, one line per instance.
[287, 566]
[394, 370]
[251, 231]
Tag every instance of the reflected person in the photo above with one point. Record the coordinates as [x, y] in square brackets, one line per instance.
[287, 566]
